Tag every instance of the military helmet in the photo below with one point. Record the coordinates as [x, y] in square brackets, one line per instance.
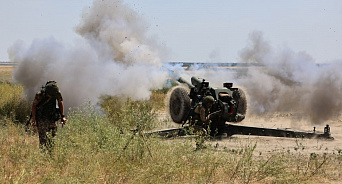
[51, 88]
[208, 99]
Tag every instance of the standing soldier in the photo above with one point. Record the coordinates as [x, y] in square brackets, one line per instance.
[45, 113]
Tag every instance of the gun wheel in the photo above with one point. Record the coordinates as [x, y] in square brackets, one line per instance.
[242, 102]
[179, 104]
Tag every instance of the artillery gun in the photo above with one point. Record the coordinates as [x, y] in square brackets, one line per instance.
[230, 106]
[230, 103]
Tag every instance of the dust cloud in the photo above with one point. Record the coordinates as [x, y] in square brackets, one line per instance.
[284, 81]
[291, 82]
[114, 56]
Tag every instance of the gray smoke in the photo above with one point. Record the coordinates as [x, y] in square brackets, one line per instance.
[115, 57]
[291, 82]
[282, 82]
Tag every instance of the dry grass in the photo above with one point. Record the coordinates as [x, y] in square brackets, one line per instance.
[92, 150]
[13, 105]
[101, 148]
[6, 73]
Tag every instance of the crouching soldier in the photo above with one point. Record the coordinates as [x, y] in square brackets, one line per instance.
[45, 114]
[201, 119]
[201, 114]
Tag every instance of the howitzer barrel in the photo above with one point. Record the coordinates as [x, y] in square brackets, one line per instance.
[199, 82]
[181, 80]
[196, 81]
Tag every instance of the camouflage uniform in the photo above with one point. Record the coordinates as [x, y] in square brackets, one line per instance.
[200, 120]
[201, 112]
[46, 116]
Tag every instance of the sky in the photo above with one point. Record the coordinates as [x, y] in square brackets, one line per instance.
[191, 31]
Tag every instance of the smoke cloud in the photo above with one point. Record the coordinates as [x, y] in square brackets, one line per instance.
[115, 57]
[282, 81]
[290, 82]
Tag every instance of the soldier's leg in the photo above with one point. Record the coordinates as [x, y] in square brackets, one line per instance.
[52, 134]
[53, 129]
[42, 137]
[42, 131]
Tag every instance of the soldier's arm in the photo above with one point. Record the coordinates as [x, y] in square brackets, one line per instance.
[34, 107]
[202, 115]
[61, 109]
[61, 106]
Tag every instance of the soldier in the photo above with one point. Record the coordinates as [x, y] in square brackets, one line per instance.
[201, 118]
[45, 114]
[201, 112]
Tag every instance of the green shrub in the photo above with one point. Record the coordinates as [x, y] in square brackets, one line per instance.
[13, 105]
[128, 114]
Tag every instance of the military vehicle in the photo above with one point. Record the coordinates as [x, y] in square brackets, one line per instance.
[229, 107]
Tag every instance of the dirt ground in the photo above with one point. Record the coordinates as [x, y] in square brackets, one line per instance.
[278, 144]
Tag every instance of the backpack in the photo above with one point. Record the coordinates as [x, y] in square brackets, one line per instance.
[50, 88]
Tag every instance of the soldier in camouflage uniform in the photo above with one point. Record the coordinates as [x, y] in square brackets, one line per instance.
[45, 114]
[200, 120]
[201, 114]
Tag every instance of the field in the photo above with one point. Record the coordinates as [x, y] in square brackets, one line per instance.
[102, 148]
[5, 72]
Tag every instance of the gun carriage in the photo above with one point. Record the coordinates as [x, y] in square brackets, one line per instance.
[230, 106]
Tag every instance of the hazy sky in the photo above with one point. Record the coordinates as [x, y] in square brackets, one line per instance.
[194, 31]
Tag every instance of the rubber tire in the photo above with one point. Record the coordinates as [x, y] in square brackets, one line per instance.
[242, 103]
[179, 104]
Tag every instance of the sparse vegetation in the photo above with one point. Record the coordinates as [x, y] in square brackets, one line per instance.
[13, 106]
[6, 72]
[108, 145]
